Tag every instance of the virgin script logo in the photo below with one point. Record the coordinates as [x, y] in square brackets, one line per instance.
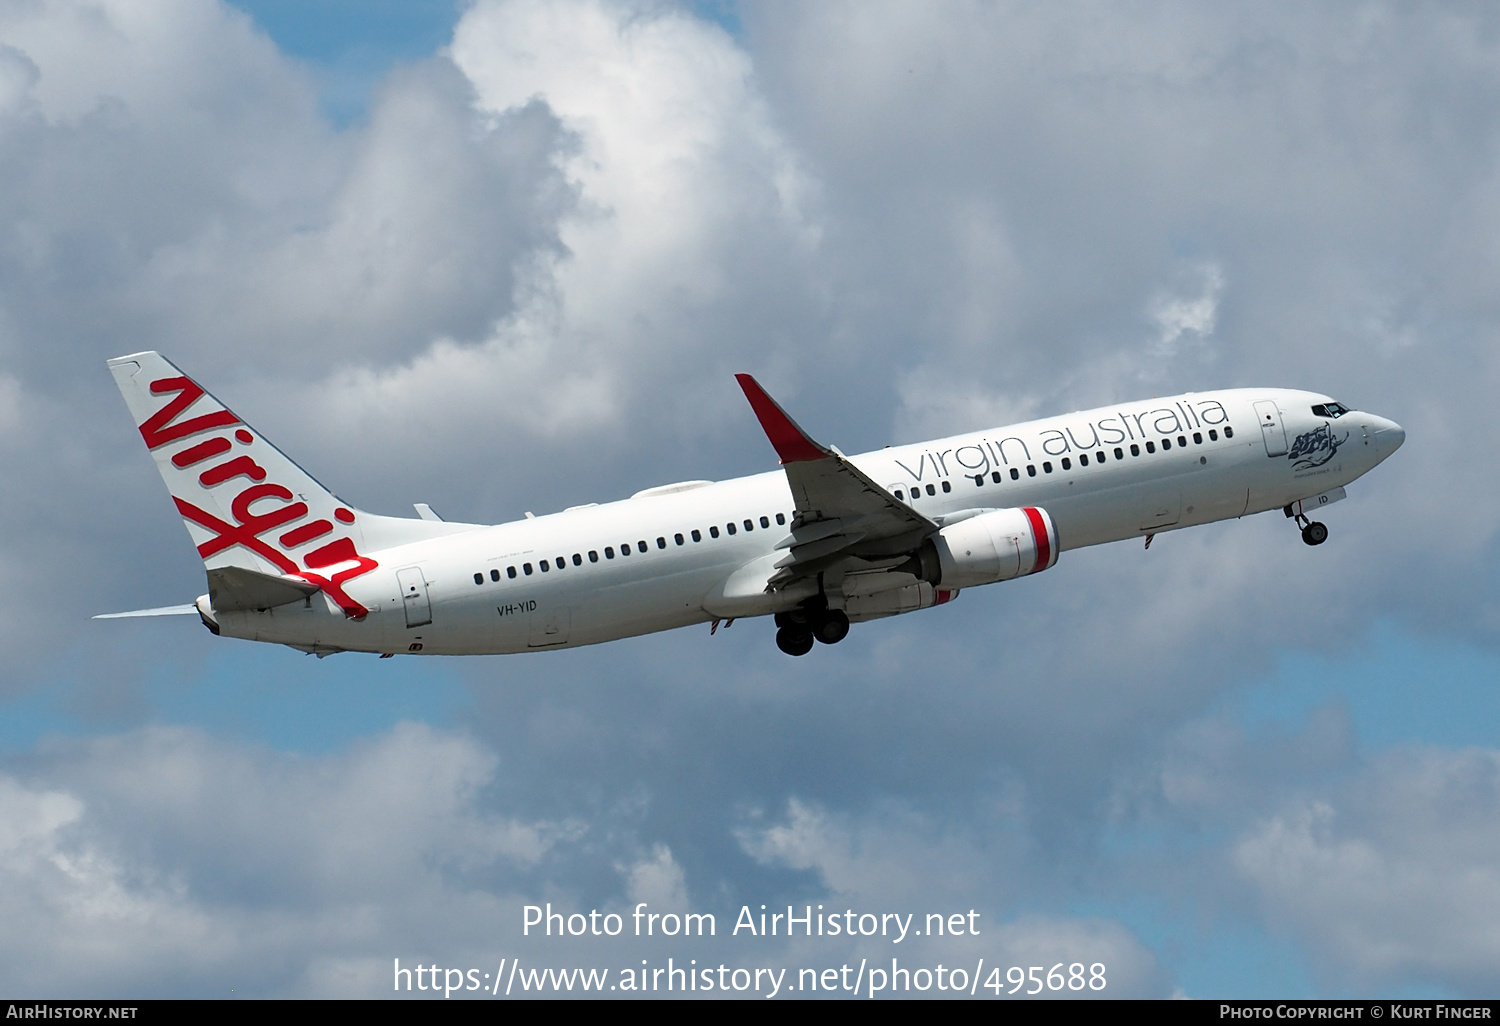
[338, 559]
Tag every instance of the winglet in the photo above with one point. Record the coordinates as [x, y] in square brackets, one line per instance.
[792, 444]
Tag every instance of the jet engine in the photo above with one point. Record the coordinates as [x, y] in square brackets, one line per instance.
[984, 546]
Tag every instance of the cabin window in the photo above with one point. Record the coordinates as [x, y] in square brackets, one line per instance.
[931, 490]
[947, 487]
[1083, 460]
[1166, 443]
[729, 527]
[625, 549]
[1181, 441]
[899, 495]
[1047, 466]
[979, 480]
[697, 536]
[677, 538]
[1067, 463]
[713, 532]
[1228, 431]
[577, 559]
[1015, 475]
[661, 542]
[1213, 434]
[526, 569]
[545, 568]
[1099, 456]
[593, 556]
[1031, 470]
[749, 525]
[781, 518]
[1135, 450]
[1150, 446]
[642, 547]
[495, 575]
[479, 578]
[609, 552]
[562, 561]
[1197, 438]
[765, 521]
[510, 572]
[995, 476]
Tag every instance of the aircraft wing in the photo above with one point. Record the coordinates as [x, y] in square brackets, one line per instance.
[842, 516]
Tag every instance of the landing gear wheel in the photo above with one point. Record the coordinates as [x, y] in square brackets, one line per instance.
[794, 641]
[1315, 533]
[832, 627]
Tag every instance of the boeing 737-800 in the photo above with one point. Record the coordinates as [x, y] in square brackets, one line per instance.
[825, 541]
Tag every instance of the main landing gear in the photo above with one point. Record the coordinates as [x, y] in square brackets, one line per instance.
[796, 631]
[1313, 532]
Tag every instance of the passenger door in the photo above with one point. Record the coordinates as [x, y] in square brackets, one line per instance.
[1271, 428]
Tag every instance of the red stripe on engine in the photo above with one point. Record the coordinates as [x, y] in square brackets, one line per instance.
[1039, 534]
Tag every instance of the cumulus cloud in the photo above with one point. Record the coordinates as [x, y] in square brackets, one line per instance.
[686, 215]
[1391, 876]
[167, 862]
[523, 281]
[657, 880]
[1184, 319]
[875, 862]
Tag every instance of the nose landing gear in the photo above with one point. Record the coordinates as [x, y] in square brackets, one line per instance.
[1313, 532]
[797, 630]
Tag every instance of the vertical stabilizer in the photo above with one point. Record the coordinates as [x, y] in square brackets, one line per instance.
[245, 503]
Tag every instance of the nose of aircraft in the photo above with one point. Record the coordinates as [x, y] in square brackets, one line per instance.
[1385, 435]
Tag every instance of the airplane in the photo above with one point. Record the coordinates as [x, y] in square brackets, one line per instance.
[825, 541]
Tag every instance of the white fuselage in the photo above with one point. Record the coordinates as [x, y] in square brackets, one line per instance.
[702, 551]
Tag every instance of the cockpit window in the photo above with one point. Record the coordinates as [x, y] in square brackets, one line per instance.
[1333, 410]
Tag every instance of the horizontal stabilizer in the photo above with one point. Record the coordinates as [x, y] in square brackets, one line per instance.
[234, 589]
[158, 611]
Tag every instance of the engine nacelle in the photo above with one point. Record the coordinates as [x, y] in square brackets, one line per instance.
[991, 546]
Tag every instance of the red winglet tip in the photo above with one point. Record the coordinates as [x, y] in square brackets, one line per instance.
[790, 441]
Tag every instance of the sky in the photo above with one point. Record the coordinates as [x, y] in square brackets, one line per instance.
[505, 256]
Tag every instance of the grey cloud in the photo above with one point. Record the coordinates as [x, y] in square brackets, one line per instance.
[518, 288]
[1392, 875]
[165, 862]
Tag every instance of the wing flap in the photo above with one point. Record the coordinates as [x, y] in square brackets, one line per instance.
[818, 549]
